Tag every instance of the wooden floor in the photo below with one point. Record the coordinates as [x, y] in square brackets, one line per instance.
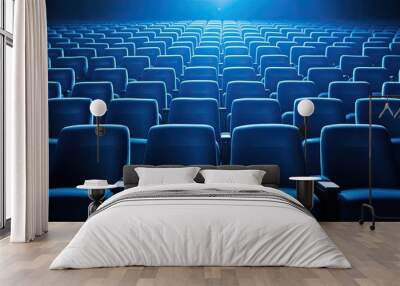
[375, 257]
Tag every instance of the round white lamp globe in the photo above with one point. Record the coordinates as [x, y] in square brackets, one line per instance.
[306, 108]
[98, 108]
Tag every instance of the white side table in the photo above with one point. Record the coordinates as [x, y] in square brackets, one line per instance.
[96, 194]
[305, 189]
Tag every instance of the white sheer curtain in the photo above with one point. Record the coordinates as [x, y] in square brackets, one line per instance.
[26, 124]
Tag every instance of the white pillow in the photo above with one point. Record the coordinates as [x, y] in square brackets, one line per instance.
[244, 177]
[166, 176]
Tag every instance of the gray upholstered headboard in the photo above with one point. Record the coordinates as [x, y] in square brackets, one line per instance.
[271, 177]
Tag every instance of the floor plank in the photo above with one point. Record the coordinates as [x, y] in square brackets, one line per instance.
[375, 257]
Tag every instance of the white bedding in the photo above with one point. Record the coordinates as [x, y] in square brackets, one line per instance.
[200, 232]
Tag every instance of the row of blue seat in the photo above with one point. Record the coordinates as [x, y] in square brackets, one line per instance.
[343, 161]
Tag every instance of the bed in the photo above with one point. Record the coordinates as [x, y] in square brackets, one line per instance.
[199, 224]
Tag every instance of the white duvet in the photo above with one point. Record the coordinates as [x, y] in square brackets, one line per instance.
[200, 232]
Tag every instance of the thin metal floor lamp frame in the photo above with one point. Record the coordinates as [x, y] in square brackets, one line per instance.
[370, 206]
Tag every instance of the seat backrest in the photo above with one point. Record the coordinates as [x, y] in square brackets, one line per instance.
[100, 62]
[243, 89]
[64, 76]
[199, 89]
[345, 162]
[54, 89]
[182, 51]
[322, 77]
[297, 51]
[135, 66]
[327, 111]
[236, 50]
[269, 144]
[269, 61]
[376, 55]
[238, 73]
[391, 88]
[238, 61]
[195, 111]
[247, 111]
[307, 62]
[171, 61]
[148, 90]
[273, 76]
[54, 53]
[139, 115]
[205, 61]
[181, 144]
[65, 112]
[377, 106]
[334, 53]
[81, 52]
[201, 73]
[151, 52]
[78, 64]
[118, 77]
[392, 64]
[349, 63]
[289, 90]
[94, 90]
[376, 77]
[166, 75]
[266, 50]
[348, 92]
[76, 155]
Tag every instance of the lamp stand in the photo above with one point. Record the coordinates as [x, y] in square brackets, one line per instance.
[100, 131]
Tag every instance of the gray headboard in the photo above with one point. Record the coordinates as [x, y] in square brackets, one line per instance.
[271, 177]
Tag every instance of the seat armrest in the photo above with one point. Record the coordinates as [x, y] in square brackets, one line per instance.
[327, 191]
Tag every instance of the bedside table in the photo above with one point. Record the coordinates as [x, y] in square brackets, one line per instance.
[96, 194]
[305, 190]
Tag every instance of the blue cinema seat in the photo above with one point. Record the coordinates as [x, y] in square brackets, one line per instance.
[94, 90]
[181, 51]
[322, 77]
[376, 55]
[391, 88]
[297, 51]
[201, 73]
[196, 111]
[392, 64]
[54, 53]
[266, 50]
[149, 90]
[273, 76]
[205, 61]
[246, 111]
[269, 61]
[171, 61]
[238, 61]
[166, 75]
[181, 144]
[375, 76]
[348, 92]
[81, 52]
[139, 115]
[327, 111]
[135, 66]
[307, 62]
[64, 76]
[288, 91]
[118, 77]
[117, 53]
[76, 161]
[349, 63]
[54, 89]
[335, 53]
[345, 162]
[151, 52]
[100, 63]
[199, 89]
[238, 74]
[243, 89]
[277, 144]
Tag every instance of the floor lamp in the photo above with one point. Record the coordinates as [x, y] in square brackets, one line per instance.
[98, 108]
[305, 108]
